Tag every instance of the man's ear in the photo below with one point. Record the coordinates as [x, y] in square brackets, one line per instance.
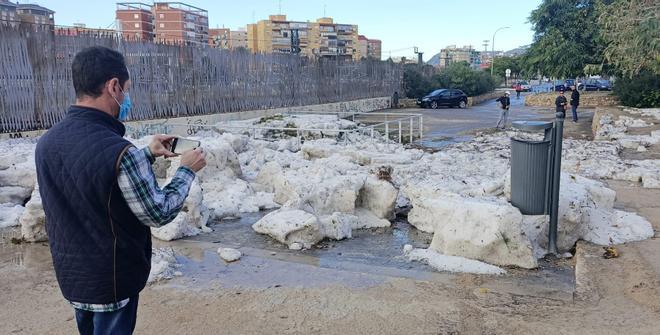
[112, 87]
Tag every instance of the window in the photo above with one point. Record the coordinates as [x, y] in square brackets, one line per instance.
[136, 16]
[285, 34]
[137, 25]
[162, 25]
[162, 16]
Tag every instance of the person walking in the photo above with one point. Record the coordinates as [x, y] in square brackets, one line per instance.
[518, 90]
[395, 100]
[560, 103]
[101, 197]
[575, 102]
[505, 103]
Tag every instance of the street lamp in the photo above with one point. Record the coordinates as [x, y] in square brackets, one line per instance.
[492, 62]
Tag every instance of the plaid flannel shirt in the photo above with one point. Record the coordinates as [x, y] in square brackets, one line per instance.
[153, 206]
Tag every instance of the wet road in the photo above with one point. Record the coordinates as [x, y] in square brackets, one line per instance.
[449, 125]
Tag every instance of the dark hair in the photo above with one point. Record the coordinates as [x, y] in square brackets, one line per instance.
[93, 67]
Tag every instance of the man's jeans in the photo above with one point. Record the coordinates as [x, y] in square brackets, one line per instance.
[504, 114]
[121, 321]
[574, 108]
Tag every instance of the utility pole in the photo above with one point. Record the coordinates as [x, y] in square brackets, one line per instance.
[420, 56]
[492, 62]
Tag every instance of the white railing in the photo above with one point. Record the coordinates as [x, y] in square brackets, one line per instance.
[396, 124]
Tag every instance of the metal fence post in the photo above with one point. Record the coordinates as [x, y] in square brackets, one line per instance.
[387, 131]
[421, 127]
[399, 131]
[411, 129]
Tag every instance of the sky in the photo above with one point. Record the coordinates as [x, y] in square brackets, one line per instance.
[401, 25]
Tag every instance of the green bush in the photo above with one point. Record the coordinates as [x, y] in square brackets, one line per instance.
[420, 81]
[642, 90]
[464, 78]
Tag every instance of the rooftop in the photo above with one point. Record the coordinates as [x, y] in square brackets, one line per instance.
[35, 7]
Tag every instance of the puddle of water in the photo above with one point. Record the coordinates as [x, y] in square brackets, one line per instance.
[378, 246]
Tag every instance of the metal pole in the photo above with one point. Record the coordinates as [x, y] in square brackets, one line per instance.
[399, 131]
[492, 62]
[411, 130]
[421, 127]
[556, 177]
[387, 131]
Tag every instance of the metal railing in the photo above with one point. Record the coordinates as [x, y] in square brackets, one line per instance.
[390, 127]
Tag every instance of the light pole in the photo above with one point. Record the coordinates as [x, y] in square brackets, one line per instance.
[492, 61]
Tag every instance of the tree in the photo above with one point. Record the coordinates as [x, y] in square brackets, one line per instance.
[460, 76]
[566, 37]
[631, 30]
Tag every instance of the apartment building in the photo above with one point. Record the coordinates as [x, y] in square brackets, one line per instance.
[219, 38]
[224, 38]
[275, 35]
[177, 22]
[34, 14]
[8, 14]
[135, 20]
[330, 39]
[374, 49]
[238, 39]
[322, 38]
[363, 46]
[453, 54]
[80, 29]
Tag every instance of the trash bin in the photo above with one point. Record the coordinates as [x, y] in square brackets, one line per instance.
[530, 169]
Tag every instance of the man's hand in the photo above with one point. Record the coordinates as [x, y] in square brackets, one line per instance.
[194, 159]
[160, 146]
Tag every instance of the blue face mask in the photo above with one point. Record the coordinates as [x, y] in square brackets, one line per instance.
[124, 106]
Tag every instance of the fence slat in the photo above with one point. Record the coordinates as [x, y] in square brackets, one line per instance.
[175, 80]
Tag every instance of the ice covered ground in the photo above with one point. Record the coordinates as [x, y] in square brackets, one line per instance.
[324, 188]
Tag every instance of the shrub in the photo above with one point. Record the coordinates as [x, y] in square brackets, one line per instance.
[461, 76]
[418, 83]
[642, 90]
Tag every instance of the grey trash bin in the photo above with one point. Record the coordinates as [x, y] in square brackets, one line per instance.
[530, 167]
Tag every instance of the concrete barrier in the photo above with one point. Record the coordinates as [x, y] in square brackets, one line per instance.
[193, 124]
[475, 100]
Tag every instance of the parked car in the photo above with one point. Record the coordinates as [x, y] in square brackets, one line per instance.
[526, 87]
[597, 85]
[565, 85]
[444, 97]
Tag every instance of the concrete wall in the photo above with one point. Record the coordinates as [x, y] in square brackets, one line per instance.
[186, 126]
[481, 98]
[587, 99]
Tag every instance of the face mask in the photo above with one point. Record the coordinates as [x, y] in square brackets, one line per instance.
[124, 106]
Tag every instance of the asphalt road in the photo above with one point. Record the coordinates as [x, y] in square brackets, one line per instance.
[448, 125]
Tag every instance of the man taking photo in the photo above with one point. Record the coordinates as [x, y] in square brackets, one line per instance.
[100, 196]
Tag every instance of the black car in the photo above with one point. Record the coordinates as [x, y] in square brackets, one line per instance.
[444, 97]
[566, 85]
[597, 85]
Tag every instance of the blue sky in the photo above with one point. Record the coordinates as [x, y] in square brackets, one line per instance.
[427, 24]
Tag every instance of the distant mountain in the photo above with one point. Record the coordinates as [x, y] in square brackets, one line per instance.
[435, 60]
[517, 51]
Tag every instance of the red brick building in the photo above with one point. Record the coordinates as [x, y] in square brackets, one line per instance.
[219, 38]
[180, 23]
[135, 20]
[374, 48]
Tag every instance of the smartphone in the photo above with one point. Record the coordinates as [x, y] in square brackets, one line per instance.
[181, 145]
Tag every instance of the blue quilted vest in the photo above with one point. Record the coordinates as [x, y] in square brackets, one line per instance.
[101, 251]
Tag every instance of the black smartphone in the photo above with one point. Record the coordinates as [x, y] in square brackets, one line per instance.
[181, 145]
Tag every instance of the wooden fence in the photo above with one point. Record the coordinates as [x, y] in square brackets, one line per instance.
[175, 80]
